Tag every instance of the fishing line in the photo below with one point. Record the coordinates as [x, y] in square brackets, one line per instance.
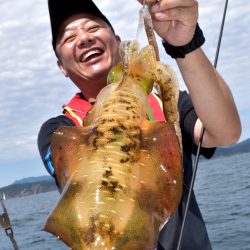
[201, 137]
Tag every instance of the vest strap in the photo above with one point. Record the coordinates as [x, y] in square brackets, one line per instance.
[78, 108]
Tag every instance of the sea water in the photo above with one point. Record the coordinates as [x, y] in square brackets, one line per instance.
[223, 193]
[222, 189]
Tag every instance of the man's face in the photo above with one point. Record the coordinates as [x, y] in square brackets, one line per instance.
[87, 49]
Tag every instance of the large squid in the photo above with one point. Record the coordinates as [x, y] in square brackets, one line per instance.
[121, 175]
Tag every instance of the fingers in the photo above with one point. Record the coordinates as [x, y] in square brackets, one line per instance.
[160, 6]
[180, 13]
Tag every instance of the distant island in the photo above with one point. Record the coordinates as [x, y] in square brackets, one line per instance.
[29, 186]
[239, 148]
[42, 184]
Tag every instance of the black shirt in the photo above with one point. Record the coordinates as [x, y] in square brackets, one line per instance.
[195, 235]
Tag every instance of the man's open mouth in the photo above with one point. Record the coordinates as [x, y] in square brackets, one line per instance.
[91, 54]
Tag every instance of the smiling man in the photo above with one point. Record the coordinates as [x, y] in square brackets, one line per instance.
[87, 47]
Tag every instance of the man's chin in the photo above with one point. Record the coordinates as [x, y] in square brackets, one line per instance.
[98, 72]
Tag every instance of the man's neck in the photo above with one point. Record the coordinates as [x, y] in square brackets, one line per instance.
[92, 89]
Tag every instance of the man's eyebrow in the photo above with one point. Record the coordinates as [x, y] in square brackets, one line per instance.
[75, 26]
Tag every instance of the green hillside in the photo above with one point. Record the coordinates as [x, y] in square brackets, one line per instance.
[30, 188]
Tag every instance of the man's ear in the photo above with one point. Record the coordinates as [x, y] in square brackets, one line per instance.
[117, 38]
[61, 67]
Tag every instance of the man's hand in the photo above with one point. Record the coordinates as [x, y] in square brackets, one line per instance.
[174, 20]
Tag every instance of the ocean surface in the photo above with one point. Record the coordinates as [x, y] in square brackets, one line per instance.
[222, 189]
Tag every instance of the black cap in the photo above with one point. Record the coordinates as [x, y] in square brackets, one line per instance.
[59, 10]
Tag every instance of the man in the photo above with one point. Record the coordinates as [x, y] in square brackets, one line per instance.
[87, 47]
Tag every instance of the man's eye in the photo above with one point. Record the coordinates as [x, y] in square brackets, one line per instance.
[93, 28]
[68, 39]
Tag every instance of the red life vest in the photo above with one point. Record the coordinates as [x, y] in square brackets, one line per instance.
[78, 108]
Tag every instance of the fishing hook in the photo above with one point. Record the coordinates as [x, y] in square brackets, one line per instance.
[201, 136]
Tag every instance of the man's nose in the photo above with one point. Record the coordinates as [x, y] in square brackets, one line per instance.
[84, 38]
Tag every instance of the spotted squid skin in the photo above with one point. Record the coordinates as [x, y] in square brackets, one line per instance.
[121, 175]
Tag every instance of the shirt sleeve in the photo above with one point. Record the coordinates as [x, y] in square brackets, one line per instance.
[188, 118]
[44, 138]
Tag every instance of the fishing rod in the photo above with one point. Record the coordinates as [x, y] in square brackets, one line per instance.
[5, 223]
[201, 137]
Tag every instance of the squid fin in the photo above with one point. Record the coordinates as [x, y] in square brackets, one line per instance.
[162, 151]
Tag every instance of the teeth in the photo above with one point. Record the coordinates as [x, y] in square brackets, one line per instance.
[90, 53]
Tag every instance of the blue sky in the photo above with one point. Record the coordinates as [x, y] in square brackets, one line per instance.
[33, 89]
